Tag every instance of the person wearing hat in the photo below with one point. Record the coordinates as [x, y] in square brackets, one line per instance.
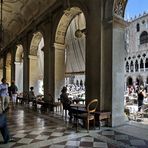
[66, 101]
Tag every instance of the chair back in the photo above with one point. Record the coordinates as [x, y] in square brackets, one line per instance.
[92, 105]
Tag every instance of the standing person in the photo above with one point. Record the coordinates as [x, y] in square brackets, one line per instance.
[3, 127]
[4, 95]
[13, 91]
[140, 98]
[66, 101]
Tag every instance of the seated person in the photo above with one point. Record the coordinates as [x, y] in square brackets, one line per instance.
[32, 95]
[66, 101]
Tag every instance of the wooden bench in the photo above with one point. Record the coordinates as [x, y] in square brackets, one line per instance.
[103, 115]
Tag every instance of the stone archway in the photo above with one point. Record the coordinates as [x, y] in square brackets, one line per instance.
[69, 47]
[129, 81]
[36, 63]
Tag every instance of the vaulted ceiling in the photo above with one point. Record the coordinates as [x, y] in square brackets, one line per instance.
[18, 14]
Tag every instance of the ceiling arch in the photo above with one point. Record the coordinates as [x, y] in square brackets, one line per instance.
[65, 20]
[17, 14]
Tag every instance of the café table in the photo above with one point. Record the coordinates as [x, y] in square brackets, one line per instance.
[78, 108]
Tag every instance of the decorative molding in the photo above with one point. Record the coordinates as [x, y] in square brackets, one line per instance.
[119, 7]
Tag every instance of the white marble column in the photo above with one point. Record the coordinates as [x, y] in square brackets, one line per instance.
[19, 76]
[59, 68]
[33, 69]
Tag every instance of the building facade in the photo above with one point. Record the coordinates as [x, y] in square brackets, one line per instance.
[136, 61]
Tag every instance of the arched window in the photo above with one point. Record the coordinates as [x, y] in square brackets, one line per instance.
[146, 64]
[127, 67]
[144, 37]
[136, 66]
[132, 66]
[138, 27]
[141, 65]
[129, 81]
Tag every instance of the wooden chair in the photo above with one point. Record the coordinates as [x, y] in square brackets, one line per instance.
[90, 114]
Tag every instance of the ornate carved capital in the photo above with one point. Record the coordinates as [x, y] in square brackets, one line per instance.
[119, 7]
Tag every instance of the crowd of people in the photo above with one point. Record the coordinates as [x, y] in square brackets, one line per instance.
[136, 99]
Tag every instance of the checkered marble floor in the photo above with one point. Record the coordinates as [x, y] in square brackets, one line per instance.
[33, 129]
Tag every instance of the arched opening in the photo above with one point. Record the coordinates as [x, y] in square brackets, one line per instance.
[127, 67]
[139, 80]
[36, 63]
[141, 65]
[146, 64]
[136, 66]
[129, 81]
[132, 66]
[144, 37]
[70, 51]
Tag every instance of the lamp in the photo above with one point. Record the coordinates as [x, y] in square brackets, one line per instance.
[1, 26]
[79, 32]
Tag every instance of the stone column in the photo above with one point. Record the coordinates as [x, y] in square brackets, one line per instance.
[93, 50]
[33, 69]
[19, 76]
[48, 81]
[113, 54]
[138, 65]
[59, 68]
[13, 50]
[26, 45]
[144, 64]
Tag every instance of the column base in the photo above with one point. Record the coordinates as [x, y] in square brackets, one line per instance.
[118, 120]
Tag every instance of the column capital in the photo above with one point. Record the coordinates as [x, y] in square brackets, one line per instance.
[59, 46]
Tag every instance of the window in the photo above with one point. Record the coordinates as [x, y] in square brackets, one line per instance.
[127, 67]
[138, 27]
[132, 66]
[136, 66]
[146, 64]
[144, 37]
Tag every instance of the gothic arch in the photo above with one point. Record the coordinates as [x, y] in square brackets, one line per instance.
[129, 81]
